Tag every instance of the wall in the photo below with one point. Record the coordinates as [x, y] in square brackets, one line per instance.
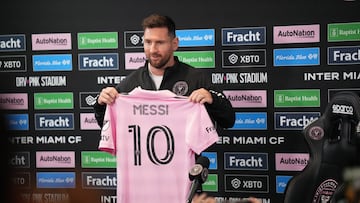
[268, 141]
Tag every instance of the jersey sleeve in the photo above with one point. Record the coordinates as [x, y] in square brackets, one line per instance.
[108, 132]
[201, 130]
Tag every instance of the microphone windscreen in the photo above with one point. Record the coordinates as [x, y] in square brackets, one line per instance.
[203, 161]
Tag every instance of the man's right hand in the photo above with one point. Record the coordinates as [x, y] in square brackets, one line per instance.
[107, 95]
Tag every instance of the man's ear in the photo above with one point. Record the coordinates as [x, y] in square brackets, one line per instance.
[175, 42]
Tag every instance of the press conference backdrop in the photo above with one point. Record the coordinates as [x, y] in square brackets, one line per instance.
[278, 62]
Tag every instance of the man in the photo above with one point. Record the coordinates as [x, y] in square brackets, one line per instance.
[163, 71]
[163, 170]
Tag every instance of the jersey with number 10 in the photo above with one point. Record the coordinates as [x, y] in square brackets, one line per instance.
[155, 135]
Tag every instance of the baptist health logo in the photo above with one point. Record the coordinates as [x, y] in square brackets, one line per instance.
[297, 98]
[97, 159]
[98, 40]
[344, 32]
[54, 100]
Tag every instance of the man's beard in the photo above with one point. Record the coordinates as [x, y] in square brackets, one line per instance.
[160, 64]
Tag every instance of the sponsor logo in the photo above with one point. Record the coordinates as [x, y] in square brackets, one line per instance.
[246, 183]
[294, 120]
[88, 99]
[19, 160]
[250, 140]
[109, 80]
[47, 198]
[344, 55]
[17, 121]
[247, 98]
[12, 43]
[291, 161]
[46, 139]
[239, 78]
[97, 180]
[244, 58]
[342, 109]
[108, 199]
[281, 183]
[20, 179]
[246, 161]
[243, 36]
[228, 199]
[54, 121]
[54, 100]
[212, 156]
[198, 59]
[55, 180]
[41, 81]
[331, 76]
[134, 60]
[52, 62]
[338, 32]
[97, 159]
[297, 57]
[250, 121]
[296, 34]
[211, 184]
[196, 37]
[55, 159]
[14, 101]
[98, 40]
[297, 98]
[103, 61]
[88, 122]
[325, 191]
[315, 133]
[13, 64]
[133, 39]
[51, 41]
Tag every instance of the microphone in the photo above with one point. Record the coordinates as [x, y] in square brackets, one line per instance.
[198, 175]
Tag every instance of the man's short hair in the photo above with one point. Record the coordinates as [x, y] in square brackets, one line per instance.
[159, 21]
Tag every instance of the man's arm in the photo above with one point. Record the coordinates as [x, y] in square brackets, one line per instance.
[221, 110]
[106, 96]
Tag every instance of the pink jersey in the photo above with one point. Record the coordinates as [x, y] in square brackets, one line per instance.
[155, 135]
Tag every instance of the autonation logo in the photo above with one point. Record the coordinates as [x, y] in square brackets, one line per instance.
[14, 101]
[51, 41]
